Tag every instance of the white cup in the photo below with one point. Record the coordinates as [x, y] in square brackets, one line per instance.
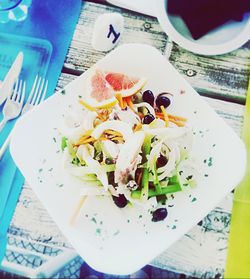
[223, 39]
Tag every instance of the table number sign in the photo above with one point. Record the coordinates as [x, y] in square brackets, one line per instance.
[107, 31]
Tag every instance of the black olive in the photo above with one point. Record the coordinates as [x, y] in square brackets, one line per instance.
[200, 223]
[161, 161]
[120, 201]
[161, 199]
[159, 214]
[111, 178]
[138, 174]
[109, 161]
[148, 97]
[148, 118]
[151, 185]
[162, 100]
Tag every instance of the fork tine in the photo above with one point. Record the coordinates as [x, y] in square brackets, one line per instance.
[19, 91]
[44, 91]
[36, 91]
[32, 90]
[40, 92]
[14, 94]
[23, 93]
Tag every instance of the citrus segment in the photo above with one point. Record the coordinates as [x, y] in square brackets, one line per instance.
[100, 90]
[103, 87]
[120, 82]
[126, 85]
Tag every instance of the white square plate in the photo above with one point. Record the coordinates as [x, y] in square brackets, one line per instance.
[110, 239]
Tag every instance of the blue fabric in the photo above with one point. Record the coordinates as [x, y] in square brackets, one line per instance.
[9, 210]
[7, 173]
[37, 53]
[53, 20]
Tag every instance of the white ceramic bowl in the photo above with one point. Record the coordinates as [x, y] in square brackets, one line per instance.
[222, 40]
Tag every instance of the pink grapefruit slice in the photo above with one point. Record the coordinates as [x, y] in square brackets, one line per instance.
[103, 86]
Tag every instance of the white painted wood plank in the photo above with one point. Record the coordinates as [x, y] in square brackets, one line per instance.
[138, 29]
[223, 75]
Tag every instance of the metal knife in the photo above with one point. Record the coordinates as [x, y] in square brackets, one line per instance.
[11, 77]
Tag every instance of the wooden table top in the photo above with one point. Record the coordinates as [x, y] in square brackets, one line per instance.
[220, 80]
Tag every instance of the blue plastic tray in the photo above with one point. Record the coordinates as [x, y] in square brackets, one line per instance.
[37, 53]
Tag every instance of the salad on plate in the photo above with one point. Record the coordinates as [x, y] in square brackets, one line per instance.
[123, 142]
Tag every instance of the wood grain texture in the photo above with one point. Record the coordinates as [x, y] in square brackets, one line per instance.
[138, 29]
[222, 76]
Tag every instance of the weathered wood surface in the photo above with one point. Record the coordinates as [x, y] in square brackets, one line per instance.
[222, 76]
[202, 251]
[138, 29]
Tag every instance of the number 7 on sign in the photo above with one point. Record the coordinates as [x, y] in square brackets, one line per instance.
[114, 33]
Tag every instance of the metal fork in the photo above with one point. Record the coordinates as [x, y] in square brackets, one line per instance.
[36, 96]
[14, 103]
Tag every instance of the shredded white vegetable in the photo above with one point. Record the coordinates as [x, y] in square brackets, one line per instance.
[115, 125]
[113, 151]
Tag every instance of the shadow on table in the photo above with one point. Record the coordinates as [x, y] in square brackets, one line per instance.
[148, 272]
